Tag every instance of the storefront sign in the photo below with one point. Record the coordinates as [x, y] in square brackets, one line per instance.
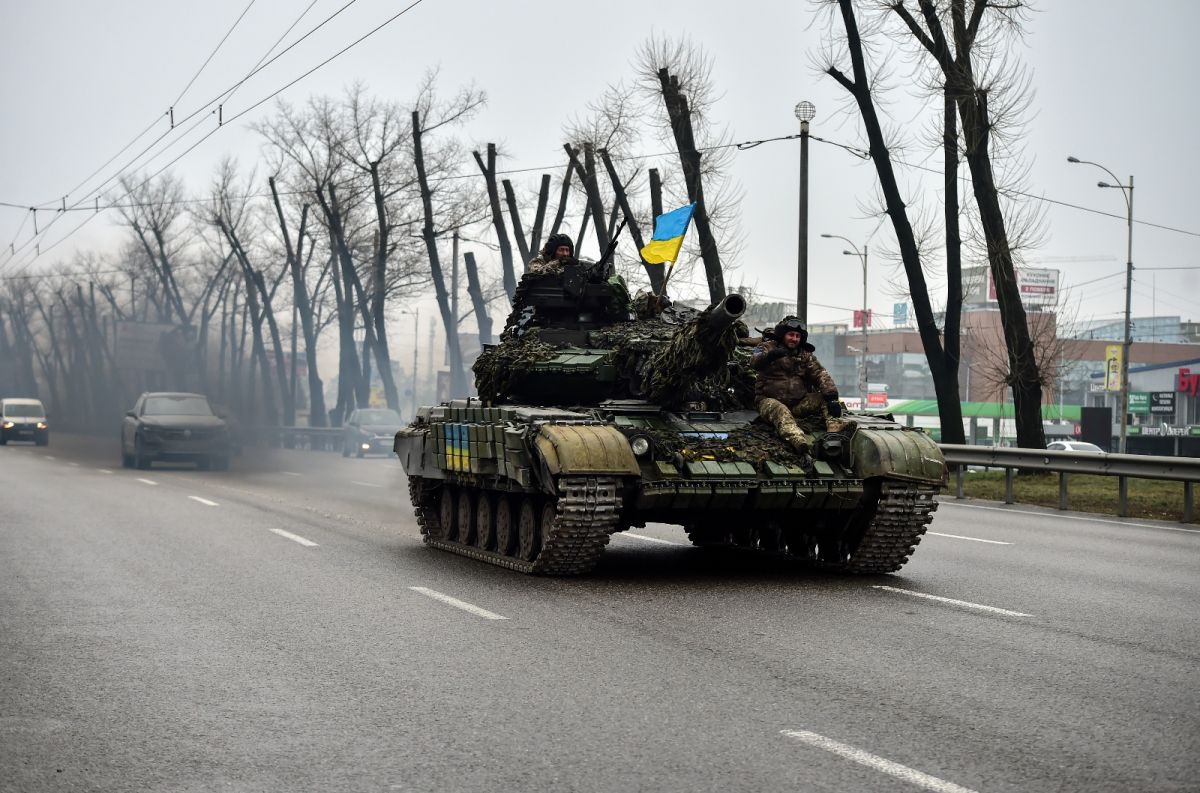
[1166, 430]
[1162, 403]
[1139, 402]
[1187, 383]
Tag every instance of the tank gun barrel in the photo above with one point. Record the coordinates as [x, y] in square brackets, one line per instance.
[723, 314]
[699, 350]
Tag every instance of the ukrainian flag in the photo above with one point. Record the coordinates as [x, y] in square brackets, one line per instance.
[668, 235]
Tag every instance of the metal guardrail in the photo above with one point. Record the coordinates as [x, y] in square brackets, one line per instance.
[314, 438]
[1122, 466]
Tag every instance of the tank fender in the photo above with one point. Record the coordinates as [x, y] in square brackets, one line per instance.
[585, 449]
[899, 453]
[412, 446]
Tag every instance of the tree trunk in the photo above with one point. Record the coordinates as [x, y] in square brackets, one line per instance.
[685, 139]
[945, 377]
[535, 240]
[316, 396]
[654, 272]
[379, 339]
[482, 319]
[564, 195]
[514, 214]
[489, 177]
[458, 379]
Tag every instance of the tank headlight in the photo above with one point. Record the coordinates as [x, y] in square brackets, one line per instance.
[640, 445]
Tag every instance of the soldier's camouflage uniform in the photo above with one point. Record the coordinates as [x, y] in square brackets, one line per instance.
[792, 384]
[538, 265]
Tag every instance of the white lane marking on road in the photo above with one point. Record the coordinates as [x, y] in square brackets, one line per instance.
[291, 473]
[364, 484]
[972, 539]
[295, 538]
[204, 501]
[644, 538]
[51, 457]
[964, 603]
[1072, 516]
[458, 604]
[73, 465]
[902, 772]
[104, 470]
[147, 481]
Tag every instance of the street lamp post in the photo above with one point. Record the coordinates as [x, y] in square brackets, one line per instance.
[1127, 344]
[805, 111]
[862, 255]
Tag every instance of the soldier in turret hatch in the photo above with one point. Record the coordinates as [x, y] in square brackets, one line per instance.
[793, 384]
[554, 256]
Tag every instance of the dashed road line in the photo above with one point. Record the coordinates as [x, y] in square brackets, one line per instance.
[104, 470]
[290, 473]
[296, 538]
[972, 539]
[644, 538]
[204, 501]
[963, 603]
[901, 772]
[147, 481]
[51, 457]
[73, 465]
[458, 604]
[364, 484]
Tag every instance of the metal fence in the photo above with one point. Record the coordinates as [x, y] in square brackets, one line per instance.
[1123, 466]
[314, 438]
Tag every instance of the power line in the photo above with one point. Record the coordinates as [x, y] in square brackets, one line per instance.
[228, 92]
[220, 43]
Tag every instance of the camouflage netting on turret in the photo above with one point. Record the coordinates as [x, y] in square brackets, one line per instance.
[498, 368]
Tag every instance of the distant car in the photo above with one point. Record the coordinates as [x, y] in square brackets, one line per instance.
[1075, 446]
[174, 427]
[23, 420]
[370, 431]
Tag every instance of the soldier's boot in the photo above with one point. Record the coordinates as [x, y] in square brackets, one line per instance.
[798, 438]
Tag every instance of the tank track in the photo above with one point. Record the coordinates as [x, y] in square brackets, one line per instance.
[901, 516]
[586, 514]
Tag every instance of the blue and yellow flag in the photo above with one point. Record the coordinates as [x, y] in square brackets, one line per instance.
[669, 229]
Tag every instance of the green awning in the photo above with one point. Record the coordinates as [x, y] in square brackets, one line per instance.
[979, 410]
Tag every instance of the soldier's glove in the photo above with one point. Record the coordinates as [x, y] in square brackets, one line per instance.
[775, 354]
[835, 407]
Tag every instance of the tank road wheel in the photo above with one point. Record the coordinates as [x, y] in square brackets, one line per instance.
[506, 526]
[528, 534]
[485, 521]
[466, 516]
[447, 528]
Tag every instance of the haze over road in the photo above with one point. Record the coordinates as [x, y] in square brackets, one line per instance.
[281, 627]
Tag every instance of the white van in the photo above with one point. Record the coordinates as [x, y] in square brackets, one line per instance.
[23, 420]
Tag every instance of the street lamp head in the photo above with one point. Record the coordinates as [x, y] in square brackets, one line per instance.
[806, 111]
[827, 236]
[849, 253]
[1103, 184]
[1073, 159]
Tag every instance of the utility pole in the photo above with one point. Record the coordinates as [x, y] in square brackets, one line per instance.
[805, 111]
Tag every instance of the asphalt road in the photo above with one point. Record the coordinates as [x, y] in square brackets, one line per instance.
[281, 627]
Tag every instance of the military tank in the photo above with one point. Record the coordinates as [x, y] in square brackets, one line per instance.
[597, 415]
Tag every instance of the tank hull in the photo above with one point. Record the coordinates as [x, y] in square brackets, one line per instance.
[540, 490]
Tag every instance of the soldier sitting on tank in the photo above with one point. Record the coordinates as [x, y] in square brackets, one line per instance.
[554, 257]
[792, 384]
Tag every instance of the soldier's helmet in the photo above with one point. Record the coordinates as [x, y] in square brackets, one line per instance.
[791, 323]
[554, 242]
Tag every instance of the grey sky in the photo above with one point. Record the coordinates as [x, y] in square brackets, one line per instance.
[1114, 83]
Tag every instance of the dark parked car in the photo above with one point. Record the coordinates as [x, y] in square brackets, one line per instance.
[173, 427]
[370, 430]
[23, 420]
